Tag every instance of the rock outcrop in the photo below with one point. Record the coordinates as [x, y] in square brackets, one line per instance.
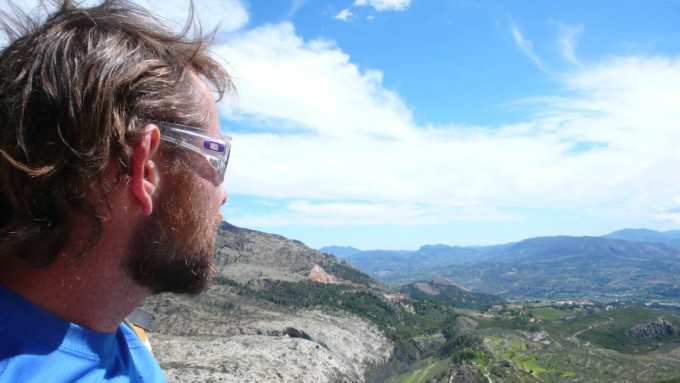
[319, 348]
[318, 274]
[659, 327]
[466, 373]
[439, 280]
[228, 334]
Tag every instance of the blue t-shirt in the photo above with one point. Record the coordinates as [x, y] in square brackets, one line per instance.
[36, 346]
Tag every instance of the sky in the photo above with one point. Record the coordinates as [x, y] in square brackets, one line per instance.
[392, 124]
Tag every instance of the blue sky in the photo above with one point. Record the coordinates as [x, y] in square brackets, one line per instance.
[393, 124]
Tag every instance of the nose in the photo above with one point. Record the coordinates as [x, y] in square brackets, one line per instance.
[224, 195]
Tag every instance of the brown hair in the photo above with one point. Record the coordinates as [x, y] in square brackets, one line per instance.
[75, 90]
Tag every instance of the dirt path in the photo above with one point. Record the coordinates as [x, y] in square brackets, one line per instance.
[574, 337]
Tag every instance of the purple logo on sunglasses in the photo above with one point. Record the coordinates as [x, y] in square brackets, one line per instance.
[214, 146]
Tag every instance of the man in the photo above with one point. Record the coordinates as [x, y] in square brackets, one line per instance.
[111, 170]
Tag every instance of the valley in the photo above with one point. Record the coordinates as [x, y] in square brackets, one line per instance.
[619, 266]
[282, 312]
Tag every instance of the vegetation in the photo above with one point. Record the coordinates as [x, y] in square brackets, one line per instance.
[427, 370]
[430, 340]
[616, 330]
[548, 313]
[541, 268]
[410, 322]
[402, 321]
[451, 295]
[441, 331]
[348, 273]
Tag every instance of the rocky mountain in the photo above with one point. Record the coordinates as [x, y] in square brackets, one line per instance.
[660, 327]
[282, 312]
[235, 332]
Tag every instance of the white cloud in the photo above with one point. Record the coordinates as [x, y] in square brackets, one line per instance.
[302, 212]
[526, 47]
[567, 41]
[297, 4]
[669, 212]
[331, 133]
[311, 86]
[384, 5]
[329, 136]
[228, 15]
[344, 15]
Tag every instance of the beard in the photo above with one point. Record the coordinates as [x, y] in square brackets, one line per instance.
[173, 249]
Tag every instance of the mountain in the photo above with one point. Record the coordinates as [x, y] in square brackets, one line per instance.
[544, 267]
[575, 267]
[279, 311]
[671, 237]
[340, 251]
[444, 290]
[259, 322]
[398, 267]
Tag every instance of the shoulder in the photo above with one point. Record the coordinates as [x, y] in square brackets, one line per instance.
[78, 358]
[142, 362]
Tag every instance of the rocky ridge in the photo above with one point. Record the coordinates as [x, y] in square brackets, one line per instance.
[338, 349]
[318, 274]
[225, 336]
[660, 327]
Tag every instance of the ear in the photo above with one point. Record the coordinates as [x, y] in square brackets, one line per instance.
[144, 175]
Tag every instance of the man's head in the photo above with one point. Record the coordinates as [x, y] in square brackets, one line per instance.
[173, 248]
[78, 93]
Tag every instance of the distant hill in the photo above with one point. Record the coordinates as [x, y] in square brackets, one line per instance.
[282, 312]
[575, 267]
[340, 251]
[671, 237]
[399, 266]
[446, 291]
[544, 267]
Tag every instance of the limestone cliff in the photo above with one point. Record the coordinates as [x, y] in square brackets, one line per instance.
[227, 336]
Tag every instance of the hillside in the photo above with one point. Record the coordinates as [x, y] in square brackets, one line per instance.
[235, 332]
[671, 237]
[546, 267]
[448, 292]
[282, 312]
[575, 267]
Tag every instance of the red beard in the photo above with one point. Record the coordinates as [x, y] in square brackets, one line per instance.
[173, 250]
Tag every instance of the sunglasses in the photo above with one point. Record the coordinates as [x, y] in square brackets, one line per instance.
[214, 148]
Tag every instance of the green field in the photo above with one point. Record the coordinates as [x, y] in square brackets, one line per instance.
[425, 371]
[548, 313]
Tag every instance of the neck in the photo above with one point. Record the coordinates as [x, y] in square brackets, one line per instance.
[94, 291]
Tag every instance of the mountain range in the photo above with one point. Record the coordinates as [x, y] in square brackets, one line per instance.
[626, 264]
[279, 311]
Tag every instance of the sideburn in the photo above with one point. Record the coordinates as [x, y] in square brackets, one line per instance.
[173, 250]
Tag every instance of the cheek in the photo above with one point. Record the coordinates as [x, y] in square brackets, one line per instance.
[193, 201]
[212, 197]
[200, 203]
